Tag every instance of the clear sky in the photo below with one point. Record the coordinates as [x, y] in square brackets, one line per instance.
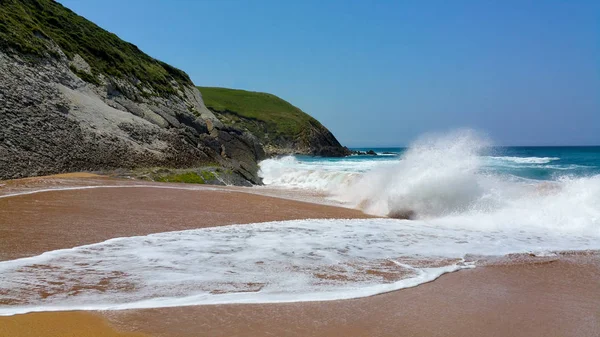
[380, 73]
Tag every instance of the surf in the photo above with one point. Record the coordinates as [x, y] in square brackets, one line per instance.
[273, 262]
[454, 179]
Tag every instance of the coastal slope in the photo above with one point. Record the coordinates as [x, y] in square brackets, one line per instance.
[280, 126]
[76, 97]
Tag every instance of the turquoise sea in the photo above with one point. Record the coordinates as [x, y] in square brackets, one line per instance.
[456, 174]
[538, 163]
[534, 162]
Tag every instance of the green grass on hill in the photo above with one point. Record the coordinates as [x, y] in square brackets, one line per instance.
[26, 24]
[276, 115]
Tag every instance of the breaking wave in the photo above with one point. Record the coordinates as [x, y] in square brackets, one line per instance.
[447, 180]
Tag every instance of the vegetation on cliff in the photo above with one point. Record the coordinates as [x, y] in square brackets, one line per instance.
[26, 25]
[138, 112]
[279, 125]
[188, 178]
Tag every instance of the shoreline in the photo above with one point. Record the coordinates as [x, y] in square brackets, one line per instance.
[145, 207]
[523, 286]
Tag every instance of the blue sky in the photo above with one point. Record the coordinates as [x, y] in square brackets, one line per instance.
[380, 73]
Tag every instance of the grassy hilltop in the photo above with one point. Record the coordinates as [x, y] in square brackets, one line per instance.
[26, 25]
[256, 106]
[277, 123]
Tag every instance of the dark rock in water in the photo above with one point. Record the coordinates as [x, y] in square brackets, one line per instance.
[364, 153]
[392, 153]
[332, 151]
[402, 214]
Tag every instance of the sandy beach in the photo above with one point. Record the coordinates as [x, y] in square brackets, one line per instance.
[518, 296]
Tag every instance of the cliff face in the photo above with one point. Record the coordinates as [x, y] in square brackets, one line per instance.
[75, 97]
[280, 126]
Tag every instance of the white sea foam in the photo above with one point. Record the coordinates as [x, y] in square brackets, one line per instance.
[322, 176]
[290, 261]
[440, 179]
[443, 179]
[525, 160]
[437, 175]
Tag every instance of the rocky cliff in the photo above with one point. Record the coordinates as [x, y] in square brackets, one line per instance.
[75, 97]
[280, 126]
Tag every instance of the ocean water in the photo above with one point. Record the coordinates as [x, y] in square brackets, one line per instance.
[528, 162]
[451, 175]
[460, 198]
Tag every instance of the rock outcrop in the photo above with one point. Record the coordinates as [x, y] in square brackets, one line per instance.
[75, 97]
[61, 113]
[52, 121]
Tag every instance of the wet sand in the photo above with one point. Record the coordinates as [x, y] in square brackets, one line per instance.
[71, 324]
[558, 296]
[551, 299]
[31, 224]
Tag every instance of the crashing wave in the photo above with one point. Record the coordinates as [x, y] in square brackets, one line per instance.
[444, 179]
